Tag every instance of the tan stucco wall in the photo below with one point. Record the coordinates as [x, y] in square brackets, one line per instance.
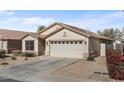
[3, 45]
[70, 36]
[50, 30]
[35, 44]
[94, 45]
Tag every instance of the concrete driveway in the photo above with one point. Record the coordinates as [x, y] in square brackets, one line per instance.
[39, 69]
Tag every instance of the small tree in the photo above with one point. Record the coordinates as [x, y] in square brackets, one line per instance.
[40, 28]
[111, 33]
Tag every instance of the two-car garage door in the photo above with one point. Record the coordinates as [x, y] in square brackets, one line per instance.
[71, 49]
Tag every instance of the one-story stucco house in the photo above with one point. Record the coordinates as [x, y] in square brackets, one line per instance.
[57, 40]
[62, 40]
[19, 40]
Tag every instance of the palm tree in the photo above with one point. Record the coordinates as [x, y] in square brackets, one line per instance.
[40, 28]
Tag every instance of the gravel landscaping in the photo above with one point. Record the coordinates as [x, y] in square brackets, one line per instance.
[87, 70]
[8, 61]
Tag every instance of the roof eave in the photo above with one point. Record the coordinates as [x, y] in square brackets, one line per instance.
[28, 35]
[83, 34]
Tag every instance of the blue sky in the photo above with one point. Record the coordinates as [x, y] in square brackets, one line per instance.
[29, 20]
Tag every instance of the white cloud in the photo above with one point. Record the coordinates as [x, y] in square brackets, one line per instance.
[100, 22]
[28, 21]
[6, 12]
[37, 21]
[10, 20]
[116, 15]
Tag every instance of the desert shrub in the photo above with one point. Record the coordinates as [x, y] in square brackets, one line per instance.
[4, 63]
[2, 53]
[29, 54]
[16, 52]
[13, 57]
[25, 58]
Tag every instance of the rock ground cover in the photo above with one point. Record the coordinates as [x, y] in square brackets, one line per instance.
[93, 70]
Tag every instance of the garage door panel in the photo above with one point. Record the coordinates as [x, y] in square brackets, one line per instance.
[66, 50]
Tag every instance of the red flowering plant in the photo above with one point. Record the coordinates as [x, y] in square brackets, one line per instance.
[115, 64]
[122, 58]
[113, 57]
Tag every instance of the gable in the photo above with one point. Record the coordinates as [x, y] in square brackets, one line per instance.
[66, 34]
[51, 29]
[29, 37]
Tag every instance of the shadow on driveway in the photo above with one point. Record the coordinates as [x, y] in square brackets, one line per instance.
[8, 80]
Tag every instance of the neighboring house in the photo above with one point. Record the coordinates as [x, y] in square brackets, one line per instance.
[62, 40]
[18, 40]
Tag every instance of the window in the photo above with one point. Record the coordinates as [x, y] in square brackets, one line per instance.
[71, 42]
[51, 42]
[80, 42]
[29, 45]
[76, 42]
[63, 42]
[67, 42]
[55, 42]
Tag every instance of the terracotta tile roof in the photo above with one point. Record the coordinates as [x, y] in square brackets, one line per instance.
[77, 30]
[16, 35]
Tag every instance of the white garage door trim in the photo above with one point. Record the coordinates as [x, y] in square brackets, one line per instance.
[70, 49]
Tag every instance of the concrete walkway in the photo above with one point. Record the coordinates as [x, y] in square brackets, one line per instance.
[39, 70]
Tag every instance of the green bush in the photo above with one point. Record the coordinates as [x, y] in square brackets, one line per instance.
[29, 54]
[13, 57]
[2, 53]
[16, 52]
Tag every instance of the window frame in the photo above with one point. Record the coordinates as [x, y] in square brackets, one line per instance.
[71, 42]
[80, 42]
[29, 47]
